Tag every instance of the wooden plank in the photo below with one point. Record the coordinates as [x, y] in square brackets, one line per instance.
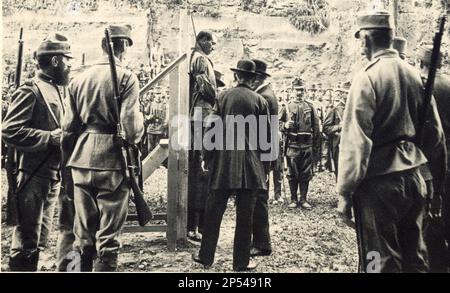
[161, 75]
[152, 162]
[156, 217]
[144, 229]
[172, 178]
[183, 111]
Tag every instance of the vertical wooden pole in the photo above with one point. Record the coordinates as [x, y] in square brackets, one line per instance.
[396, 14]
[183, 111]
[172, 174]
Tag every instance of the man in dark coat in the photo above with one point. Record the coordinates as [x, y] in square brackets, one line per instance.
[237, 168]
[261, 244]
[32, 127]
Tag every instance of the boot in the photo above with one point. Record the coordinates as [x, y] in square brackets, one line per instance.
[24, 261]
[106, 263]
[87, 259]
[304, 187]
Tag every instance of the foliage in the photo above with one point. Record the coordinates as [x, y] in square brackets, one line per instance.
[311, 16]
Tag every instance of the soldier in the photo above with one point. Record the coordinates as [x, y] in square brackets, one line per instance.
[32, 127]
[89, 132]
[202, 98]
[379, 155]
[235, 171]
[440, 206]
[332, 126]
[157, 121]
[400, 44]
[301, 125]
[261, 245]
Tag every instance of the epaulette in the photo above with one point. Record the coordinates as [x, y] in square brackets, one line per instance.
[372, 63]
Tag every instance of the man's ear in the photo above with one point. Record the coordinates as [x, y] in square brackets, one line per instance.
[55, 61]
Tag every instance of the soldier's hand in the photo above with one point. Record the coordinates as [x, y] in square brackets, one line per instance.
[344, 210]
[55, 137]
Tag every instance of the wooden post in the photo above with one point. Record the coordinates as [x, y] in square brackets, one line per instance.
[183, 111]
[396, 14]
[172, 174]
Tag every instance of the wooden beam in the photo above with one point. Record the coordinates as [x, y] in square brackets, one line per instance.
[172, 177]
[161, 75]
[144, 229]
[183, 111]
[152, 162]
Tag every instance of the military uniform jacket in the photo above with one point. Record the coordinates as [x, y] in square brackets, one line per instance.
[332, 125]
[203, 88]
[28, 123]
[158, 118]
[380, 122]
[91, 105]
[306, 124]
[231, 168]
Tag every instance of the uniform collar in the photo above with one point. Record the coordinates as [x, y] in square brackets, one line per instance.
[261, 87]
[45, 77]
[386, 53]
[105, 60]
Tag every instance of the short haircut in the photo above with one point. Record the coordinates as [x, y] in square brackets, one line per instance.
[245, 76]
[118, 45]
[382, 38]
[204, 35]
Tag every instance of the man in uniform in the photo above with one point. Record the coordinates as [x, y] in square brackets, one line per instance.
[157, 121]
[32, 127]
[439, 207]
[380, 154]
[301, 125]
[89, 132]
[235, 171]
[203, 91]
[261, 245]
[400, 44]
[332, 126]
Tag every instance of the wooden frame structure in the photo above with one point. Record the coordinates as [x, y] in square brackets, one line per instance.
[177, 176]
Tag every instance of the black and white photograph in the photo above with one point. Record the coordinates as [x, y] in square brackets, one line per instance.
[234, 136]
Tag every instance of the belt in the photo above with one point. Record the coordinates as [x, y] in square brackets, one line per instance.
[100, 129]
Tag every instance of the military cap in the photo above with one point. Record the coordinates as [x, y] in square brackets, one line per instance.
[219, 78]
[400, 44]
[261, 67]
[245, 66]
[425, 53]
[120, 32]
[374, 20]
[205, 34]
[298, 84]
[54, 44]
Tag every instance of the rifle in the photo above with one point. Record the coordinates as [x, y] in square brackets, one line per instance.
[12, 212]
[431, 76]
[129, 158]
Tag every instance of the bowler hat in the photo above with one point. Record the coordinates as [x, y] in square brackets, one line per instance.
[246, 66]
[54, 44]
[261, 67]
[120, 32]
[374, 20]
[219, 78]
[425, 53]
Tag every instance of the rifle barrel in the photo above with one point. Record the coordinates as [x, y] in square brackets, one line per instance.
[18, 75]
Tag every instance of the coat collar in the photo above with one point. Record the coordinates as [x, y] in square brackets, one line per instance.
[386, 53]
[45, 77]
[262, 87]
[105, 60]
[244, 85]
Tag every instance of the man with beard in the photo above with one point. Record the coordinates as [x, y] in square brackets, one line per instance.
[32, 127]
[261, 245]
[380, 154]
[101, 192]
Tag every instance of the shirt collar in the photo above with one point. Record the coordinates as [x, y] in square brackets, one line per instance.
[386, 53]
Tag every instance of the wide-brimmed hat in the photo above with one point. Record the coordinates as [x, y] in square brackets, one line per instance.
[246, 66]
[54, 44]
[374, 20]
[261, 67]
[219, 78]
[120, 32]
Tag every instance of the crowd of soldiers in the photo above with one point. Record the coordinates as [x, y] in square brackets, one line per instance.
[390, 169]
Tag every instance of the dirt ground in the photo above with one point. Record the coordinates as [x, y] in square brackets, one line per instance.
[303, 241]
